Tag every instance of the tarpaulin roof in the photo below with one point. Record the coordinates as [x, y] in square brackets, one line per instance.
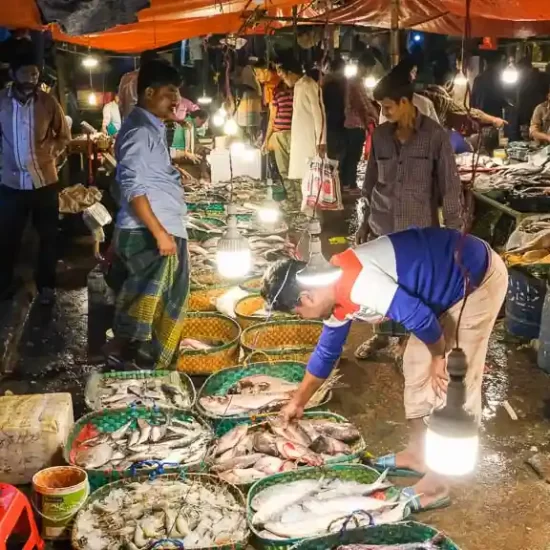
[164, 22]
[498, 18]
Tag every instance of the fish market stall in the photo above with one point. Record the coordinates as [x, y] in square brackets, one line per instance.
[113, 444]
[254, 450]
[198, 510]
[286, 508]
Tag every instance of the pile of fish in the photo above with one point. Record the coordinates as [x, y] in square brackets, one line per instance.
[314, 507]
[167, 439]
[253, 394]
[248, 453]
[136, 515]
[434, 543]
[192, 344]
[167, 391]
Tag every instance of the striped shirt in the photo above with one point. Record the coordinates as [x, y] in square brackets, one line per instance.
[34, 134]
[283, 98]
[410, 277]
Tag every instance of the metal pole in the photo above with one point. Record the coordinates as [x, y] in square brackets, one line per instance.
[295, 28]
[394, 35]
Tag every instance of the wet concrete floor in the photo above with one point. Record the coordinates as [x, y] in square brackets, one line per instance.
[503, 506]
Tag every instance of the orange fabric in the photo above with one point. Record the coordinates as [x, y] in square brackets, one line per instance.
[165, 22]
[351, 267]
[269, 87]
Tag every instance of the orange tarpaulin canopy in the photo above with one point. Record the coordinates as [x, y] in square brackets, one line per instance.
[165, 22]
[168, 21]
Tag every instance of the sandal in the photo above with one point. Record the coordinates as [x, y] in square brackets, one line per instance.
[387, 462]
[409, 495]
[368, 348]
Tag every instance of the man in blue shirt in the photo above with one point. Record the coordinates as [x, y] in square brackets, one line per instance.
[151, 236]
[411, 277]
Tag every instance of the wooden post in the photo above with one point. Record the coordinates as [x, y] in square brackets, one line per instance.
[394, 35]
[295, 29]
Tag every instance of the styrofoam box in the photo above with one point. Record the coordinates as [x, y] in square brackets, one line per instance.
[33, 431]
[250, 166]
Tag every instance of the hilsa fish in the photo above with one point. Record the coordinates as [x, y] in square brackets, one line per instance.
[432, 544]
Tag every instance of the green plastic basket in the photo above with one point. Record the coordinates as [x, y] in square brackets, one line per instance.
[348, 472]
[405, 532]
[96, 378]
[202, 478]
[110, 420]
[220, 382]
[209, 209]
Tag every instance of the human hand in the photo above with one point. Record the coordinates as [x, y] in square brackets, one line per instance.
[322, 150]
[166, 244]
[499, 122]
[292, 411]
[362, 234]
[440, 378]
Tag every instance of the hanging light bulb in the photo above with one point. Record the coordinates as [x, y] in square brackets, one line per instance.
[460, 79]
[92, 99]
[318, 272]
[350, 69]
[204, 100]
[510, 74]
[269, 212]
[230, 127]
[452, 439]
[370, 82]
[233, 256]
[90, 62]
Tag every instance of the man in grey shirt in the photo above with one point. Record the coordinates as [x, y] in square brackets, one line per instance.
[411, 172]
[151, 237]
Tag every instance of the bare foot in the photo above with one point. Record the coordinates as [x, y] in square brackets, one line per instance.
[407, 459]
[368, 348]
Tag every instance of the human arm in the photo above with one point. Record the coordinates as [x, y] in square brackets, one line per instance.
[60, 129]
[132, 160]
[320, 365]
[536, 129]
[315, 99]
[448, 183]
[106, 118]
[270, 123]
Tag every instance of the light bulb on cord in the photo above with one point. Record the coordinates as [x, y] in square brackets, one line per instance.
[269, 212]
[370, 82]
[92, 98]
[233, 255]
[204, 100]
[318, 271]
[230, 127]
[350, 69]
[90, 62]
[460, 79]
[452, 440]
[510, 75]
[218, 120]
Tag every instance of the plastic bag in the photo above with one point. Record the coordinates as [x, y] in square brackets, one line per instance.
[321, 185]
[532, 232]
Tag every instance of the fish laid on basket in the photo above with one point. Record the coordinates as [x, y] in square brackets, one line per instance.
[122, 439]
[406, 535]
[146, 388]
[260, 393]
[210, 342]
[197, 511]
[249, 452]
[291, 340]
[253, 284]
[285, 508]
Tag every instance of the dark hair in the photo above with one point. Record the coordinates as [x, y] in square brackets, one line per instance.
[337, 65]
[261, 64]
[394, 86]
[156, 74]
[280, 288]
[291, 66]
[367, 59]
[148, 56]
[442, 72]
[200, 113]
[405, 66]
[24, 56]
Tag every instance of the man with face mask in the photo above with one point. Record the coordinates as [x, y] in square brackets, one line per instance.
[34, 133]
[418, 278]
[411, 172]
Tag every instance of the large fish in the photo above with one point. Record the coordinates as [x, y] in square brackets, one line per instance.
[346, 505]
[337, 488]
[433, 544]
[231, 439]
[343, 431]
[230, 405]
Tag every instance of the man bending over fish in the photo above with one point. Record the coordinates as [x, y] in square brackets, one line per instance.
[418, 278]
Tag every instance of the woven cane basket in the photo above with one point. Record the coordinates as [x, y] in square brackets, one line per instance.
[247, 306]
[252, 285]
[110, 420]
[406, 532]
[287, 340]
[220, 383]
[210, 327]
[199, 478]
[346, 472]
[204, 299]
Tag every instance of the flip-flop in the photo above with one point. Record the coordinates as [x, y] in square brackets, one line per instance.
[387, 462]
[409, 495]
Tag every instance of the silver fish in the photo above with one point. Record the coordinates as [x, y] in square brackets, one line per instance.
[94, 457]
[144, 430]
[121, 432]
[231, 439]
